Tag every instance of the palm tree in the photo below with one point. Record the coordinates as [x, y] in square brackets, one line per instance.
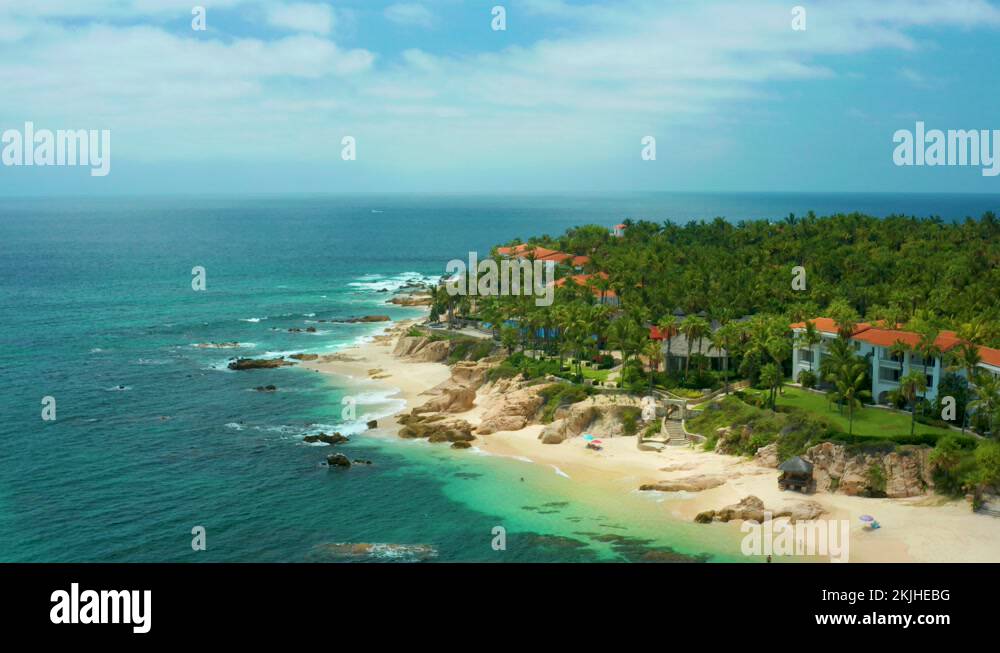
[693, 328]
[726, 338]
[668, 327]
[966, 358]
[652, 352]
[987, 400]
[770, 378]
[851, 381]
[911, 386]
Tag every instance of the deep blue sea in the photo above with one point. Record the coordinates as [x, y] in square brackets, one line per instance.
[154, 436]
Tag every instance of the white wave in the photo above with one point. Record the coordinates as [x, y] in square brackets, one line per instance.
[235, 426]
[559, 472]
[119, 388]
[252, 319]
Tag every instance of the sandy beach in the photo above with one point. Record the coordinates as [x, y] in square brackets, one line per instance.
[927, 528]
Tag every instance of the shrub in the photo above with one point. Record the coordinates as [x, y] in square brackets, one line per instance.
[807, 378]
[876, 480]
[561, 394]
[630, 420]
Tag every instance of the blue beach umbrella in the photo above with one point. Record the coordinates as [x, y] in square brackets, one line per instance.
[588, 437]
[866, 518]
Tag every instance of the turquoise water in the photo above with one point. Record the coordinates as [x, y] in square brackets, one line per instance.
[95, 294]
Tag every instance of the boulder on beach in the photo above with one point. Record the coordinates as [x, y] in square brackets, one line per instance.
[695, 483]
[753, 509]
[373, 423]
[461, 444]
[304, 357]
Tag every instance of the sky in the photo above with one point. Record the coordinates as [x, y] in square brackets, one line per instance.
[439, 101]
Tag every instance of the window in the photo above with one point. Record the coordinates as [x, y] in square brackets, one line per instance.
[889, 374]
[806, 355]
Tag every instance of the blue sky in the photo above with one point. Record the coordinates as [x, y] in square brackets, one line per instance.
[439, 102]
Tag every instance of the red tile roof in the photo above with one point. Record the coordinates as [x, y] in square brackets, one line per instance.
[882, 337]
[582, 279]
[656, 334]
[543, 254]
[827, 325]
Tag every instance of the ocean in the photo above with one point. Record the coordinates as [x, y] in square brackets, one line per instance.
[154, 436]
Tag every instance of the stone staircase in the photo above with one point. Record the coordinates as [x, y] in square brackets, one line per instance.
[673, 433]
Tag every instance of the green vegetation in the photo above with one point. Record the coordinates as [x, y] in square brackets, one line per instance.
[630, 420]
[869, 421]
[794, 432]
[561, 394]
[926, 273]
[531, 368]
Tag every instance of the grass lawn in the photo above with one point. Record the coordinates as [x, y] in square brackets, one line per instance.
[597, 375]
[868, 421]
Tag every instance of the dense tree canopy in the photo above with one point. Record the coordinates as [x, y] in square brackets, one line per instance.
[896, 268]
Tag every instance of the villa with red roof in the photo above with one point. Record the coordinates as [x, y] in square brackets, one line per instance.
[535, 253]
[608, 297]
[876, 342]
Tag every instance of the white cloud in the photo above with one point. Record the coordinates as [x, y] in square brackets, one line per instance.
[302, 17]
[581, 92]
[409, 13]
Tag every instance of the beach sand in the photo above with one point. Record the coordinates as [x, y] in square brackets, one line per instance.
[918, 529]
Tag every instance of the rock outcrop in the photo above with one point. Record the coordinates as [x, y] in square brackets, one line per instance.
[469, 374]
[338, 460]
[451, 400]
[511, 410]
[695, 483]
[904, 472]
[436, 428]
[601, 415]
[258, 363]
[411, 299]
[365, 318]
[334, 438]
[752, 508]
[422, 348]
[768, 456]
[304, 357]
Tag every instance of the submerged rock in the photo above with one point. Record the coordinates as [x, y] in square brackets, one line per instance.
[258, 363]
[338, 460]
[266, 388]
[335, 438]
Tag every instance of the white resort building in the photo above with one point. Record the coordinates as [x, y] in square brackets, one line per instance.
[878, 345]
